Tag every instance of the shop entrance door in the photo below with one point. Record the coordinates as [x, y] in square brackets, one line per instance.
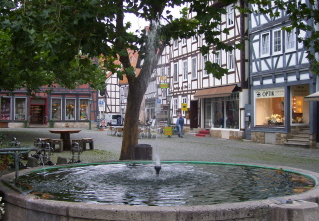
[37, 114]
[193, 115]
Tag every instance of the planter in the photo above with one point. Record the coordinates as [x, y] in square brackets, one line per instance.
[51, 124]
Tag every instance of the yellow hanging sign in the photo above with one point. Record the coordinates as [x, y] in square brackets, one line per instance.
[184, 107]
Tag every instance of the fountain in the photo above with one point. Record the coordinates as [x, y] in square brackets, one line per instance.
[137, 201]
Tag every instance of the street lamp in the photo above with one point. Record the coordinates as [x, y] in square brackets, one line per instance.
[169, 98]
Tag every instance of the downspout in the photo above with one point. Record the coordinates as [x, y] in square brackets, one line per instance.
[244, 82]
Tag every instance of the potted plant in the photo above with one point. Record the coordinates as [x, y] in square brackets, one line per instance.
[51, 123]
[26, 124]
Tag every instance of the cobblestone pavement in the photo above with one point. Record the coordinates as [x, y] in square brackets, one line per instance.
[190, 148]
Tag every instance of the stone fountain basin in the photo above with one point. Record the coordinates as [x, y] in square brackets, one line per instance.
[29, 207]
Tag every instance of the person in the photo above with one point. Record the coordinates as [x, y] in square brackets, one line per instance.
[180, 124]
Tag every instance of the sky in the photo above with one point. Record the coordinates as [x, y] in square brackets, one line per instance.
[139, 23]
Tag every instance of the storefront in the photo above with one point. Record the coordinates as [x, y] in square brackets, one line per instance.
[281, 111]
[270, 106]
[221, 111]
[74, 109]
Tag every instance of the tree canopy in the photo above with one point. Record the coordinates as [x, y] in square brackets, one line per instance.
[44, 41]
[52, 41]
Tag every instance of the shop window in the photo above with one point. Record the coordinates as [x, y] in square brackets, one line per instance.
[5, 108]
[20, 109]
[84, 109]
[270, 107]
[56, 109]
[224, 112]
[70, 111]
[300, 108]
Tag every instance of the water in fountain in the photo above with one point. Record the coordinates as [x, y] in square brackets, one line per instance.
[180, 183]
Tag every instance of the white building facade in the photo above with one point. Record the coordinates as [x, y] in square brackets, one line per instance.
[280, 79]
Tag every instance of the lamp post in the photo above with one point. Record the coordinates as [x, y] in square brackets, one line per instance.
[169, 98]
[90, 122]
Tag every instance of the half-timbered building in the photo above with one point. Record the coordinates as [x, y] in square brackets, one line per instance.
[280, 79]
[205, 101]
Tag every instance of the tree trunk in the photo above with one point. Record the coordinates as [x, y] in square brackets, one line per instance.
[137, 89]
[130, 132]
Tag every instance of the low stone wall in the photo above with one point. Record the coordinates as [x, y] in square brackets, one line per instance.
[300, 207]
[227, 134]
[269, 138]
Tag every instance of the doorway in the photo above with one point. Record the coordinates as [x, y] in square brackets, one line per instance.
[37, 114]
[193, 115]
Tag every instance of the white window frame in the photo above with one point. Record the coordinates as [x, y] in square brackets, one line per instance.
[185, 70]
[230, 16]
[265, 44]
[205, 58]
[162, 71]
[175, 106]
[194, 38]
[184, 41]
[194, 67]
[277, 41]
[217, 58]
[230, 60]
[67, 115]
[175, 72]
[175, 43]
[290, 40]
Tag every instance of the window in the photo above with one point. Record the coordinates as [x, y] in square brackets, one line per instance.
[194, 69]
[194, 38]
[204, 63]
[5, 108]
[70, 110]
[84, 109]
[230, 62]
[269, 107]
[162, 71]
[217, 57]
[222, 112]
[56, 109]
[20, 109]
[300, 108]
[277, 41]
[175, 74]
[184, 40]
[290, 40]
[230, 16]
[265, 44]
[175, 43]
[175, 106]
[185, 71]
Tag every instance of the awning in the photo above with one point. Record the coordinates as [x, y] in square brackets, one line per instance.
[223, 91]
[312, 97]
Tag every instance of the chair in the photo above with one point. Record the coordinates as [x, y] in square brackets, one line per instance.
[153, 132]
[79, 142]
[57, 142]
[109, 130]
[140, 133]
[87, 141]
[119, 131]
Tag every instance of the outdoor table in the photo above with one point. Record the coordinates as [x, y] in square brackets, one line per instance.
[65, 136]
